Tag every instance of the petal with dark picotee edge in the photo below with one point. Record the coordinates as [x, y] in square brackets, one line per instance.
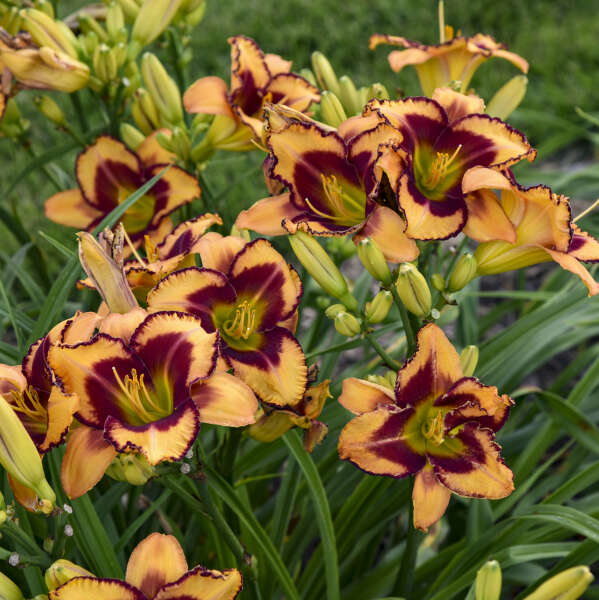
[430, 498]
[469, 464]
[293, 91]
[274, 367]
[377, 442]
[203, 584]
[195, 291]
[265, 216]
[86, 588]
[431, 371]
[85, 461]
[156, 561]
[167, 439]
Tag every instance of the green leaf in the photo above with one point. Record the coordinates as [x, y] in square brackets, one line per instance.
[322, 510]
[567, 518]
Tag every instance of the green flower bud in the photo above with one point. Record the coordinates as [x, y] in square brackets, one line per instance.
[308, 75]
[331, 109]
[153, 18]
[325, 75]
[195, 16]
[346, 324]
[103, 64]
[374, 261]
[115, 19]
[180, 143]
[162, 88]
[378, 91]
[469, 360]
[348, 94]
[45, 7]
[567, 585]
[438, 282]
[413, 290]
[463, 273]
[132, 136]
[88, 23]
[50, 109]
[11, 21]
[144, 111]
[61, 571]
[378, 309]
[131, 468]
[320, 266]
[488, 581]
[9, 590]
[45, 31]
[89, 43]
[332, 311]
[130, 9]
[508, 97]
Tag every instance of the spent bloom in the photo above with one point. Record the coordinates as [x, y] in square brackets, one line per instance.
[438, 425]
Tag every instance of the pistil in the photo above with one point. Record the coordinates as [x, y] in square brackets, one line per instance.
[242, 325]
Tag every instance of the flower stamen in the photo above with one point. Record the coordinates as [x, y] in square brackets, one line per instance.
[28, 404]
[433, 428]
[439, 168]
[139, 398]
[242, 325]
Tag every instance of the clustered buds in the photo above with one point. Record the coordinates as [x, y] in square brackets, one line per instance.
[413, 290]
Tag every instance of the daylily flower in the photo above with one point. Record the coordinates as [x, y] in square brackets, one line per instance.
[438, 425]
[256, 78]
[108, 173]
[455, 60]
[175, 251]
[156, 570]
[443, 138]
[542, 231]
[250, 296]
[144, 383]
[338, 182]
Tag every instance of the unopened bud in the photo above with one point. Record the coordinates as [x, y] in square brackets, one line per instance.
[162, 88]
[469, 360]
[463, 273]
[153, 18]
[378, 91]
[11, 21]
[567, 585]
[325, 75]
[109, 277]
[89, 43]
[165, 141]
[332, 311]
[346, 324]
[144, 111]
[180, 143]
[9, 589]
[438, 282]
[378, 309]
[61, 571]
[348, 94]
[308, 75]
[120, 53]
[320, 266]
[115, 19]
[131, 468]
[130, 9]
[45, 31]
[331, 109]
[132, 136]
[374, 261]
[88, 24]
[268, 428]
[508, 97]
[50, 109]
[488, 581]
[413, 290]
[194, 16]
[104, 63]
[45, 6]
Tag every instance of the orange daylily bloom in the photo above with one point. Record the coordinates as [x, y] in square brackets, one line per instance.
[440, 64]
[157, 570]
[438, 425]
[108, 173]
[542, 231]
[256, 78]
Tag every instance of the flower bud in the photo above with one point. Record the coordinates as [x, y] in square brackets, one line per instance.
[50, 110]
[45, 31]
[109, 277]
[567, 585]
[144, 111]
[130, 9]
[162, 88]
[153, 18]
[61, 571]
[11, 21]
[469, 360]
[508, 97]
[120, 53]
[180, 143]
[89, 43]
[374, 261]
[45, 7]
[346, 324]
[413, 290]
[88, 24]
[378, 309]
[325, 75]
[438, 282]
[268, 428]
[488, 581]
[131, 468]
[332, 311]
[463, 273]
[378, 91]
[131, 136]
[102, 63]
[195, 15]
[9, 590]
[115, 19]
[331, 109]
[20, 458]
[308, 75]
[348, 94]
[320, 266]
